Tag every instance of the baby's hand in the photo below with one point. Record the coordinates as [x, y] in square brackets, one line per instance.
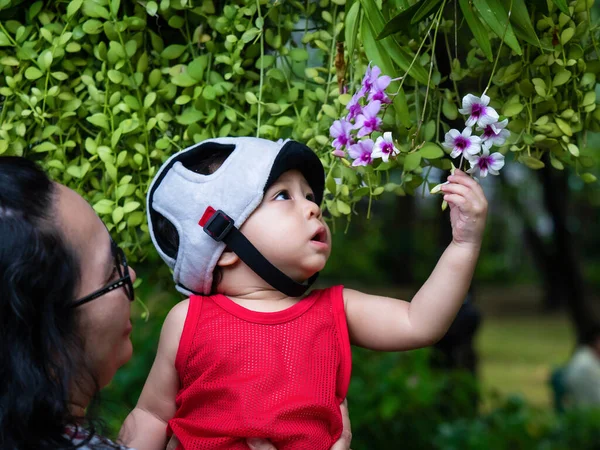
[468, 208]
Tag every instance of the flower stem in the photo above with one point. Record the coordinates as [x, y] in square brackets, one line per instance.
[499, 48]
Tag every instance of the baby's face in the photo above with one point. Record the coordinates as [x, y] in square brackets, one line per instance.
[288, 228]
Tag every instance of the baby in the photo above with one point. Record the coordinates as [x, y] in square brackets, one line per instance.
[249, 354]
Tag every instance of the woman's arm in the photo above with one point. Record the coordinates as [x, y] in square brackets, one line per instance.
[145, 427]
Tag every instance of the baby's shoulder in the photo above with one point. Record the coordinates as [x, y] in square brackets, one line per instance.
[174, 323]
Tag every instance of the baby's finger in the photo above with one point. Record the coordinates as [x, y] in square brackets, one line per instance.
[465, 180]
[455, 188]
[456, 200]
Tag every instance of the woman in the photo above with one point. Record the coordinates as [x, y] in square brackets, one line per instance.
[65, 293]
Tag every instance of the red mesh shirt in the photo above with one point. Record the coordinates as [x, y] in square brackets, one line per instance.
[279, 376]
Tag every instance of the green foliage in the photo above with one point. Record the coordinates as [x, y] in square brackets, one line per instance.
[102, 92]
[516, 425]
[397, 398]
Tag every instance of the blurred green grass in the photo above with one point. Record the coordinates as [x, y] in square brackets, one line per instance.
[517, 355]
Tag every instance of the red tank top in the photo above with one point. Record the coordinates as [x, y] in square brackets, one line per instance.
[279, 376]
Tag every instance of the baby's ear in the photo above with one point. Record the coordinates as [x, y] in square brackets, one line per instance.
[228, 258]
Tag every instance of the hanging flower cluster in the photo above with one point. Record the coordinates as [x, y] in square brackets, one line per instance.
[352, 133]
[476, 149]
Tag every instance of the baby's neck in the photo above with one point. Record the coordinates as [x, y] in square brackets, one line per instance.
[261, 300]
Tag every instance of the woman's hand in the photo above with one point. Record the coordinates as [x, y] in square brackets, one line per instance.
[343, 443]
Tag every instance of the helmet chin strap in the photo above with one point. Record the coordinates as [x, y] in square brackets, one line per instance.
[221, 228]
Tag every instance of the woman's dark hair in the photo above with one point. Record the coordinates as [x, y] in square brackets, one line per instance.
[165, 232]
[41, 351]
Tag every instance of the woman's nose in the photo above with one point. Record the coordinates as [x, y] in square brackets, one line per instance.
[132, 274]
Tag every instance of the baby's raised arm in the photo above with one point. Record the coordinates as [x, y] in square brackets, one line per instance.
[382, 323]
[145, 427]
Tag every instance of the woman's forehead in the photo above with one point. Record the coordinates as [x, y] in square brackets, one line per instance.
[80, 225]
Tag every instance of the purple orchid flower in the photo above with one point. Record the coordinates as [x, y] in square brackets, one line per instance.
[354, 107]
[340, 131]
[367, 121]
[462, 143]
[378, 87]
[494, 134]
[384, 147]
[478, 110]
[486, 163]
[371, 76]
[361, 152]
[339, 153]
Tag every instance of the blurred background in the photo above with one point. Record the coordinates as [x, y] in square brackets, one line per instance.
[487, 384]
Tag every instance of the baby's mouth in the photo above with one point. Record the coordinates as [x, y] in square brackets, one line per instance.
[319, 236]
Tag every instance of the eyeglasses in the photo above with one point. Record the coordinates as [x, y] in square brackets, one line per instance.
[124, 280]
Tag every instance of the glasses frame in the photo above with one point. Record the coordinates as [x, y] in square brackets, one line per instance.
[124, 280]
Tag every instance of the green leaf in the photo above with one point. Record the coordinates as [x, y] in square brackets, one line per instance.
[477, 28]
[401, 108]
[91, 26]
[562, 5]
[351, 26]
[33, 73]
[532, 163]
[373, 51]
[99, 119]
[183, 79]
[104, 206]
[387, 49]
[424, 11]
[3, 146]
[520, 17]
[343, 207]
[330, 111]
[250, 35]
[151, 8]
[412, 161]
[573, 150]
[431, 151]
[197, 66]
[114, 7]
[189, 116]
[130, 206]
[94, 10]
[566, 35]
[173, 51]
[251, 98]
[117, 214]
[44, 147]
[74, 6]
[561, 77]
[298, 54]
[588, 177]
[512, 109]
[399, 21]
[494, 14]
[284, 121]
[564, 127]
[450, 110]
[149, 99]
[4, 40]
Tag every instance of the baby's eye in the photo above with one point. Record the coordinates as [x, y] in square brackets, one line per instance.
[311, 197]
[283, 195]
